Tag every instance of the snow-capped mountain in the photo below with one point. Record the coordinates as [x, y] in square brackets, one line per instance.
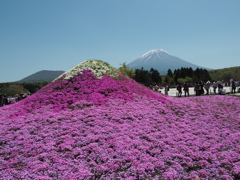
[161, 60]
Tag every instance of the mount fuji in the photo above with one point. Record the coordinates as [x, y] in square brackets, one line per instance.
[161, 60]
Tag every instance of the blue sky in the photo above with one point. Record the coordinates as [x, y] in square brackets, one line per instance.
[59, 34]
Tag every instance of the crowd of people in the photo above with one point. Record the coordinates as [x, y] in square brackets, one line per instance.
[201, 87]
[5, 100]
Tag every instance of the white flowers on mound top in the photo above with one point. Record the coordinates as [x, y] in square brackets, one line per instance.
[98, 68]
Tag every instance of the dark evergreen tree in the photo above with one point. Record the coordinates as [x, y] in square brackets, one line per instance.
[177, 75]
[206, 76]
[190, 72]
[155, 75]
[170, 73]
[197, 75]
[183, 73]
[175, 71]
[143, 77]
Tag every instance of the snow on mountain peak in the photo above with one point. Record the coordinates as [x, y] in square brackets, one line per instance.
[154, 51]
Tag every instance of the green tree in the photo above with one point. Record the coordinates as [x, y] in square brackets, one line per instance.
[177, 75]
[226, 77]
[188, 79]
[181, 80]
[143, 77]
[183, 72]
[155, 75]
[169, 73]
[206, 77]
[13, 89]
[168, 80]
[197, 75]
[189, 72]
[125, 70]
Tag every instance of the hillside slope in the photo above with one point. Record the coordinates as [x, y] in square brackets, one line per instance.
[44, 75]
[225, 74]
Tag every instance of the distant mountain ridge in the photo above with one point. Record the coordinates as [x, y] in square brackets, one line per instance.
[158, 59]
[161, 60]
[44, 75]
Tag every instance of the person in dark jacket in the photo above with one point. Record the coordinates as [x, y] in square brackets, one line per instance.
[196, 89]
[220, 88]
[179, 88]
[201, 90]
[186, 89]
[233, 87]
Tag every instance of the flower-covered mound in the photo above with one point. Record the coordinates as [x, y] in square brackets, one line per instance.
[108, 128]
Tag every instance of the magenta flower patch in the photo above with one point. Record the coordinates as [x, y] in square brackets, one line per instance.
[114, 128]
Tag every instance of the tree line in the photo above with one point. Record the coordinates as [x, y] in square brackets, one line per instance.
[152, 76]
[187, 75]
[11, 89]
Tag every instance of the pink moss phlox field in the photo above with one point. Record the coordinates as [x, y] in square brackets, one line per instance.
[90, 128]
[84, 88]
